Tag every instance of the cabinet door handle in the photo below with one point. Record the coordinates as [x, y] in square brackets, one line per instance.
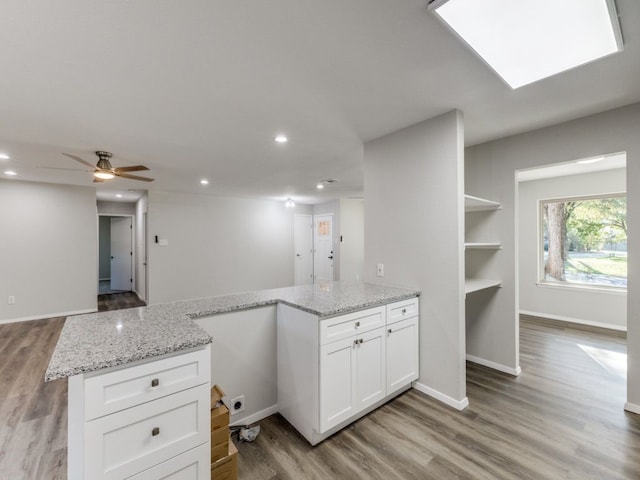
[357, 324]
[355, 342]
[155, 431]
[360, 341]
[155, 382]
[404, 310]
[390, 331]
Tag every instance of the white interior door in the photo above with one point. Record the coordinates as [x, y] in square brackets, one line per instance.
[121, 253]
[303, 249]
[323, 246]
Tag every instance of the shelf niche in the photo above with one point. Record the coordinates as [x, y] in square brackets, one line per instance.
[472, 285]
[477, 204]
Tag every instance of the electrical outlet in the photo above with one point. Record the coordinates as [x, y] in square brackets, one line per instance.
[380, 270]
[11, 300]
[237, 404]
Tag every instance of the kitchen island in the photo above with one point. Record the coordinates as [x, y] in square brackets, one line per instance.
[139, 378]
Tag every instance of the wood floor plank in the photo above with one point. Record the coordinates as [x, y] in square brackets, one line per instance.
[562, 418]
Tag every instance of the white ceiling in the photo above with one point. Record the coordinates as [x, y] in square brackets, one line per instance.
[197, 89]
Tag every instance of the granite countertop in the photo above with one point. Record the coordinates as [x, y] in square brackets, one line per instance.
[101, 340]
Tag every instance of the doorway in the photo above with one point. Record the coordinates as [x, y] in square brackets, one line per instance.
[115, 254]
[323, 258]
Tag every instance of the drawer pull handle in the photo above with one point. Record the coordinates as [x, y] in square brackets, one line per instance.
[355, 342]
[357, 324]
[155, 431]
[390, 331]
[404, 310]
[360, 341]
[155, 382]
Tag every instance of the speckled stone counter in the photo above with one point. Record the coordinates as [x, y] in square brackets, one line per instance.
[101, 340]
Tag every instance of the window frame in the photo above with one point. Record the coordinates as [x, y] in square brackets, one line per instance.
[541, 280]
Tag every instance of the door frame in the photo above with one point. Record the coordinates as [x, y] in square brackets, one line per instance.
[133, 247]
[315, 243]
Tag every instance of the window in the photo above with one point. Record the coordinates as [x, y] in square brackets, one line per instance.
[584, 241]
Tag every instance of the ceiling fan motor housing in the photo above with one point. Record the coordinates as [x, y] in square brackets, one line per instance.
[103, 162]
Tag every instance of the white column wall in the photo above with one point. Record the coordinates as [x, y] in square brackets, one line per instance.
[413, 181]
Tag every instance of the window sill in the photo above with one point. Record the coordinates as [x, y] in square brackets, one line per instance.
[582, 288]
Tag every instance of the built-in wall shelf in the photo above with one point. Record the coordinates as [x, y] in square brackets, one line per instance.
[482, 246]
[472, 285]
[477, 204]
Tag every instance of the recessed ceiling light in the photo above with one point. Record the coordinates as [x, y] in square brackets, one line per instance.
[527, 41]
[204, 181]
[320, 186]
[4, 156]
[118, 195]
[10, 172]
[281, 139]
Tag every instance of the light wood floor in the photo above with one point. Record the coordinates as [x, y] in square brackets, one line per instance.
[562, 418]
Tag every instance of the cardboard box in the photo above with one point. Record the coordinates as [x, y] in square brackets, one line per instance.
[227, 467]
[219, 413]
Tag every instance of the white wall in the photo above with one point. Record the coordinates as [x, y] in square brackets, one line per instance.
[48, 250]
[243, 359]
[413, 183]
[116, 208]
[351, 239]
[593, 307]
[491, 170]
[216, 245]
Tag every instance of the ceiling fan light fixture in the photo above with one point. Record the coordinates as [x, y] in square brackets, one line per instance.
[103, 175]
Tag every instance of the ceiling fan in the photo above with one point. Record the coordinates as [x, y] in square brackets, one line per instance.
[105, 171]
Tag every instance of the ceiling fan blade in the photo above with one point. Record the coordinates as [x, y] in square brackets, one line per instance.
[134, 168]
[61, 168]
[98, 180]
[132, 177]
[78, 159]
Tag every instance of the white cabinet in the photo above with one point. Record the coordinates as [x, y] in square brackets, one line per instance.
[141, 417]
[333, 371]
[402, 354]
[352, 376]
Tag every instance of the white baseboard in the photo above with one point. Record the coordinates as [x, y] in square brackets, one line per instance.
[254, 417]
[48, 315]
[632, 407]
[562, 318]
[446, 399]
[496, 366]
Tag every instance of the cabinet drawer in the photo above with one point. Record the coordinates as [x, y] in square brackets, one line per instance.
[127, 387]
[351, 324]
[191, 465]
[401, 310]
[130, 441]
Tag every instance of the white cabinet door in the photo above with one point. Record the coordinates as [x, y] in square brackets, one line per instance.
[370, 368]
[402, 354]
[337, 382]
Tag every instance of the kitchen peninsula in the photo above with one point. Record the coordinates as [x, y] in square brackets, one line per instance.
[139, 378]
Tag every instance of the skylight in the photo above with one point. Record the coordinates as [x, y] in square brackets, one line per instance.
[526, 41]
